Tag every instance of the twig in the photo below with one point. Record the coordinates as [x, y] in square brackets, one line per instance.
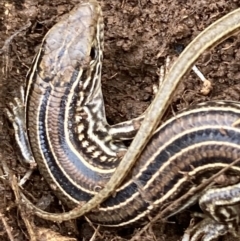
[7, 228]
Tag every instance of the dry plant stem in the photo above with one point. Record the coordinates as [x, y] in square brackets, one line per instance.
[95, 229]
[8, 41]
[30, 226]
[206, 183]
[7, 228]
[207, 86]
[14, 185]
[214, 34]
[95, 234]
[5, 48]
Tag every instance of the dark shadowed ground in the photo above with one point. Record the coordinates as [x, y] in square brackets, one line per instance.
[139, 34]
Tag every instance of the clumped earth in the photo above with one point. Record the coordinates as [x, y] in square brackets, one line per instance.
[139, 35]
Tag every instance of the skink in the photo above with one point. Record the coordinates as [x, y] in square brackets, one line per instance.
[77, 151]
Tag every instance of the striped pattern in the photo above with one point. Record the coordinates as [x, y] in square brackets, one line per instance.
[77, 151]
[185, 150]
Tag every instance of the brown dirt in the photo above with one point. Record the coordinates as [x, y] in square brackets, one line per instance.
[139, 34]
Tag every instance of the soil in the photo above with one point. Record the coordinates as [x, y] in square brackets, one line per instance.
[139, 35]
